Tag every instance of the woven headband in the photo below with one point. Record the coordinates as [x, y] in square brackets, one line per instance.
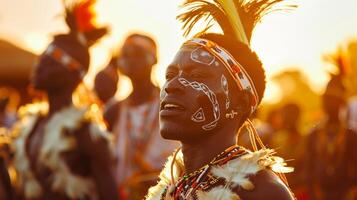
[63, 58]
[236, 70]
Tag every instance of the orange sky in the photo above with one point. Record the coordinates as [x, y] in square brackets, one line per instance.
[295, 39]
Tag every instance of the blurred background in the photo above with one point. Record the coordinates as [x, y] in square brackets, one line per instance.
[295, 40]
[301, 50]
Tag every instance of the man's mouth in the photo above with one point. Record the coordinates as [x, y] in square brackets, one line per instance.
[170, 106]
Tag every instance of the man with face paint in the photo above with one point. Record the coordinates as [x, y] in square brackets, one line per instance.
[61, 152]
[212, 86]
[139, 148]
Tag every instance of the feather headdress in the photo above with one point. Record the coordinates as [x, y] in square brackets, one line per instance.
[235, 17]
[81, 20]
[340, 60]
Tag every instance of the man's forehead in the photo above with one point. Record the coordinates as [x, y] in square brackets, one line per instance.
[132, 48]
[192, 54]
[142, 42]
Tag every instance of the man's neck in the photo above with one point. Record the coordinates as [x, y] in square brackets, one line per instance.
[197, 155]
[58, 100]
[142, 92]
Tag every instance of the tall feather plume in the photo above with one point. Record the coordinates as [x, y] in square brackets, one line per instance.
[235, 17]
[81, 18]
[340, 60]
[70, 16]
[232, 14]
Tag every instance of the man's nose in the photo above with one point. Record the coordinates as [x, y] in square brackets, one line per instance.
[173, 86]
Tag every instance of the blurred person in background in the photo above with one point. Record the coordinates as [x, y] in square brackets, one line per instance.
[289, 143]
[266, 129]
[106, 82]
[273, 124]
[6, 191]
[7, 119]
[140, 150]
[352, 114]
[331, 150]
[62, 152]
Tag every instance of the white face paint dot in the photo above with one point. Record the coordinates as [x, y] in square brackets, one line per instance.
[204, 53]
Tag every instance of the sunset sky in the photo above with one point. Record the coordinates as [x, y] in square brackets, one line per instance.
[295, 39]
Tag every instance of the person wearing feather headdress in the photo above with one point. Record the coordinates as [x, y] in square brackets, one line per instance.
[332, 158]
[62, 152]
[212, 86]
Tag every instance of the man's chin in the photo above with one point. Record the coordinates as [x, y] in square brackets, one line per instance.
[169, 135]
[173, 133]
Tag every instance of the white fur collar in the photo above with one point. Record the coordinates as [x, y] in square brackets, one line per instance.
[54, 143]
[235, 172]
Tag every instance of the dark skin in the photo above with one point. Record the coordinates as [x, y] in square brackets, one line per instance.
[58, 82]
[136, 65]
[199, 146]
[195, 141]
[106, 81]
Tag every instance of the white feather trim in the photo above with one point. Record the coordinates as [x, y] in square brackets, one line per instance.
[235, 172]
[25, 178]
[155, 192]
[54, 143]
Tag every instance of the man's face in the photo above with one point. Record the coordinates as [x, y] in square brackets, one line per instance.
[135, 61]
[49, 75]
[195, 96]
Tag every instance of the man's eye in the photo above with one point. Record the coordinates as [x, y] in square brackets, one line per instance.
[197, 75]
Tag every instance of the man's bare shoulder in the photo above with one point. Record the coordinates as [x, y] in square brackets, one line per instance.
[267, 185]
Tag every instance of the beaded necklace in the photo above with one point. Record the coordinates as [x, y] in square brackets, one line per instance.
[201, 179]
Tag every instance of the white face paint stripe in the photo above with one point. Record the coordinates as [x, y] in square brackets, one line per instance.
[211, 96]
[225, 88]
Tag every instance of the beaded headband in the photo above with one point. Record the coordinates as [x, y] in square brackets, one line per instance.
[63, 58]
[236, 70]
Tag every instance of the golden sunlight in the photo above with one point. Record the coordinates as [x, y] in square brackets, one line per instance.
[295, 39]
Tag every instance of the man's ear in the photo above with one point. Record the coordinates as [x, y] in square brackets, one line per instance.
[151, 59]
[242, 103]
